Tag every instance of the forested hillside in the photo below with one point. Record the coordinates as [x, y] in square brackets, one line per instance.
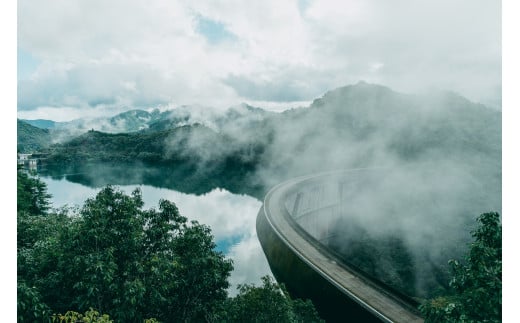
[31, 139]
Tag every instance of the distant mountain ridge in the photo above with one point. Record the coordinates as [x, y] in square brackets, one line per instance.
[407, 125]
[41, 123]
[155, 120]
[352, 126]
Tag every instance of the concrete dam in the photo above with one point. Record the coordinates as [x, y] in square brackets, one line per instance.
[308, 228]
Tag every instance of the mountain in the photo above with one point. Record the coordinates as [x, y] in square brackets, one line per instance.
[141, 120]
[366, 125]
[129, 121]
[41, 123]
[133, 120]
[241, 115]
[31, 139]
[356, 126]
[361, 125]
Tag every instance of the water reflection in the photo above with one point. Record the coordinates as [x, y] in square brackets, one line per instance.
[179, 178]
[231, 217]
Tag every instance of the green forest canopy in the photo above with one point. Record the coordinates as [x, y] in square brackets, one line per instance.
[131, 264]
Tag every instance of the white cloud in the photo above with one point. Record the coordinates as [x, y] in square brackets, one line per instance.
[91, 51]
[249, 263]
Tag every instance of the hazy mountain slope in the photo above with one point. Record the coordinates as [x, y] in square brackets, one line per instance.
[133, 120]
[190, 146]
[31, 139]
[129, 121]
[41, 123]
[369, 125]
[141, 120]
[120, 147]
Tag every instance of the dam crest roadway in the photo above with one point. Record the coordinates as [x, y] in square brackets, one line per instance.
[294, 226]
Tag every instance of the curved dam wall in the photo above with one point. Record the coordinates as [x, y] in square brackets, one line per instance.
[297, 226]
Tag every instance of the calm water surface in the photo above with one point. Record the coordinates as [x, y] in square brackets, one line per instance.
[231, 217]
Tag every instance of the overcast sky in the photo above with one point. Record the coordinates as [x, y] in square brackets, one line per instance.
[82, 58]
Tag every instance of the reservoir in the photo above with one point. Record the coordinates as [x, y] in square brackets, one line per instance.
[230, 216]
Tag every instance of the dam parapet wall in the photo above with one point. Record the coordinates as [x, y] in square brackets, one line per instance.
[296, 225]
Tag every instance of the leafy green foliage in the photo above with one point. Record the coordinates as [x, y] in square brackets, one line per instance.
[32, 196]
[90, 316]
[269, 303]
[30, 307]
[125, 261]
[132, 264]
[476, 284]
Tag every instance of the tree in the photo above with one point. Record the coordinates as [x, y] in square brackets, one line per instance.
[90, 316]
[133, 264]
[476, 284]
[33, 225]
[269, 303]
[30, 307]
[127, 262]
[101, 259]
[32, 196]
[201, 274]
